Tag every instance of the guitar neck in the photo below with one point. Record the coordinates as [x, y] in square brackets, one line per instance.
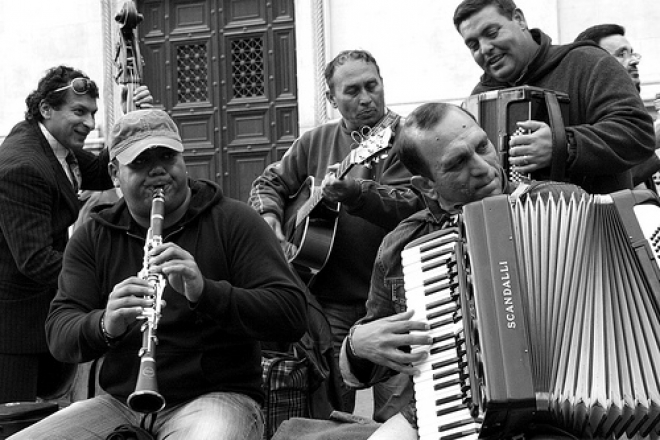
[316, 192]
[368, 150]
[315, 197]
[346, 165]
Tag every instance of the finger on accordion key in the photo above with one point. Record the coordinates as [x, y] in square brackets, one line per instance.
[446, 332]
[441, 360]
[440, 319]
[438, 362]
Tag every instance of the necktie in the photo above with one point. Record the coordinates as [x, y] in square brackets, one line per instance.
[74, 171]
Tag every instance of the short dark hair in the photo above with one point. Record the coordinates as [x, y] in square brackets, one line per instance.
[600, 31]
[425, 117]
[55, 78]
[467, 8]
[341, 58]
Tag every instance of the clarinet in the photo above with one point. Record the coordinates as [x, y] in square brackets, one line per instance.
[146, 398]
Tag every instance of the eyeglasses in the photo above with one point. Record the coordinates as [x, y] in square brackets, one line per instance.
[80, 86]
[624, 55]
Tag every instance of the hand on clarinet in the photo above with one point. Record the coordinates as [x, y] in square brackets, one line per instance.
[180, 269]
[125, 304]
[381, 341]
[532, 151]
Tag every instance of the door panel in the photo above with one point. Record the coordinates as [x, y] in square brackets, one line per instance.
[225, 70]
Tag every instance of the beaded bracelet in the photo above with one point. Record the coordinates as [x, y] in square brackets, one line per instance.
[109, 340]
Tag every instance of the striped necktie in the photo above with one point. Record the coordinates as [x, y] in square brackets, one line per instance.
[74, 171]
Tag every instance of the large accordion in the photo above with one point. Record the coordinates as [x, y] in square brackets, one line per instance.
[542, 310]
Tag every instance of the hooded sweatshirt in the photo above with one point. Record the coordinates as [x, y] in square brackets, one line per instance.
[249, 294]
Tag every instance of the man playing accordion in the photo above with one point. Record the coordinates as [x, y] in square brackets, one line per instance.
[453, 164]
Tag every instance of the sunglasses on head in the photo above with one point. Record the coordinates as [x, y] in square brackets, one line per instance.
[80, 86]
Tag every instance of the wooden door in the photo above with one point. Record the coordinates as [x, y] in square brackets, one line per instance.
[225, 70]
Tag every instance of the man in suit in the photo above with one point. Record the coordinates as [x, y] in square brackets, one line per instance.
[42, 168]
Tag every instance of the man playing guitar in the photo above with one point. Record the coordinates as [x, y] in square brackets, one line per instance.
[372, 199]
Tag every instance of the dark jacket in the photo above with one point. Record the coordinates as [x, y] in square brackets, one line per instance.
[38, 205]
[611, 128]
[250, 294]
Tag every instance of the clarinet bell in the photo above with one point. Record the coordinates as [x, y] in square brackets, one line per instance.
[146, 398]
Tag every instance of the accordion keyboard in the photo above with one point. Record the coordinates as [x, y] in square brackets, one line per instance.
[442, 388]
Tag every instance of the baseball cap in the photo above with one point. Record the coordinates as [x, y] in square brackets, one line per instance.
[140, 130]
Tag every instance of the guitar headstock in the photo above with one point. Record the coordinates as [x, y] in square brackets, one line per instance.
[373, 148]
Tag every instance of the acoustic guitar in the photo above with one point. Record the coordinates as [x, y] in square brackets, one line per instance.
[310, 221]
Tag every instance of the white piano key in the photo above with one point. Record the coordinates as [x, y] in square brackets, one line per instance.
[445, 413]
[466, 426]
[431, 395]
[432, 349]
[415, 276]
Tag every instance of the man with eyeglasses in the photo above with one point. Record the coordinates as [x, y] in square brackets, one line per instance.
[612, 38]
[608, 130]
[42, 167]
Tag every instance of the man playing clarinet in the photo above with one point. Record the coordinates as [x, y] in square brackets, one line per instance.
[227, 285]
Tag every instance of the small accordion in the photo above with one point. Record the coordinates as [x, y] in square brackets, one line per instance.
[544, 310]
[499, 111]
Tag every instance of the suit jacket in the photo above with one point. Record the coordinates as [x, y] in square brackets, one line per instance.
[38, 205]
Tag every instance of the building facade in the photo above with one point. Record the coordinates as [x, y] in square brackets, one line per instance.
[243, 78]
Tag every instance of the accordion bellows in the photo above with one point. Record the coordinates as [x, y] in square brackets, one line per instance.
[557, 301]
